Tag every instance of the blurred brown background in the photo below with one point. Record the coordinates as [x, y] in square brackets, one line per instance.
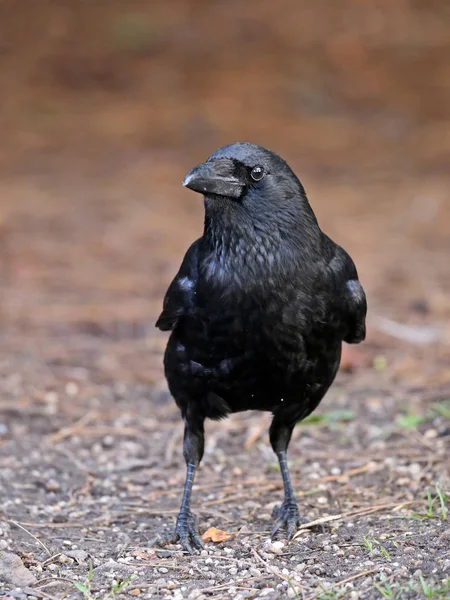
[105, 105]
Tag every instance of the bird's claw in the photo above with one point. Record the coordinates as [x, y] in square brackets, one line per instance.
[286, 515]
[186, 533]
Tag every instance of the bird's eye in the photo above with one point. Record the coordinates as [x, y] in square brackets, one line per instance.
[257, 173]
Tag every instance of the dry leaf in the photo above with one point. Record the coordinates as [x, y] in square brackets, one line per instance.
[215, 535]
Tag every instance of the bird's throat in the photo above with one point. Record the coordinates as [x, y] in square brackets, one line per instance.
[240, 250]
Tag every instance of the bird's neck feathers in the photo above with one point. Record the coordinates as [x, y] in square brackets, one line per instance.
[242, 244]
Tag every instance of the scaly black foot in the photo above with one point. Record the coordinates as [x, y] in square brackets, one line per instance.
[186, 533]
[287, 515]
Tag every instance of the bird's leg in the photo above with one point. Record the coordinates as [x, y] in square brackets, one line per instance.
[287, 514]
[194, 440]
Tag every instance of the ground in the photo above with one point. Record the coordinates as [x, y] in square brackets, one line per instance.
[93, 225]
[92, 469]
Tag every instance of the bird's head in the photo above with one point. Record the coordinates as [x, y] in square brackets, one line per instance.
[256, 207]
[247, 174]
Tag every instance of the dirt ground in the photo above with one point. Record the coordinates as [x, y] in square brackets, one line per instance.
[104, 109]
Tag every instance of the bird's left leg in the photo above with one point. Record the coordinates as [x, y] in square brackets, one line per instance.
[186, 532]
[287, 514]
[193, 446]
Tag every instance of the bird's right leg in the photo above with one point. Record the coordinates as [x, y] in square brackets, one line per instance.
[287, 514]
[193, 446]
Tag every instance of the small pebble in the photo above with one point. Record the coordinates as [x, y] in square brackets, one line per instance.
[275, 547]
[71, 388]
[108, 441]
[62, 558]
[430, 434]
[52, 485]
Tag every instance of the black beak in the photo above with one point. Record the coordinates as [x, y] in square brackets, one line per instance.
[216, 177]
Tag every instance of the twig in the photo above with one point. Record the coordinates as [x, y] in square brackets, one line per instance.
[97, 521]
[361, 511]
[102, 430]
[50, 581]
[238, 496]
[414, 334]
[36, 592]
[51, 559]
[418, 437]
[273, 570]
[157, 512]
[401, 505]
[59, 525]
[343, 582]
[74, 460]
[208, 486]
[76, 427]
[31, 535]
[255, 431]
[356, 471]
[143, 563]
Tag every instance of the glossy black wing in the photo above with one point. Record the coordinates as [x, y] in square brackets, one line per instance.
[357, 310]
[351, 296]
[181, 292]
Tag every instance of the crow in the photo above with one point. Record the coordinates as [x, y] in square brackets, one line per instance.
[257, 312]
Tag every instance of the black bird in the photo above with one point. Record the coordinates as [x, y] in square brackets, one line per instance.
[257, 312]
